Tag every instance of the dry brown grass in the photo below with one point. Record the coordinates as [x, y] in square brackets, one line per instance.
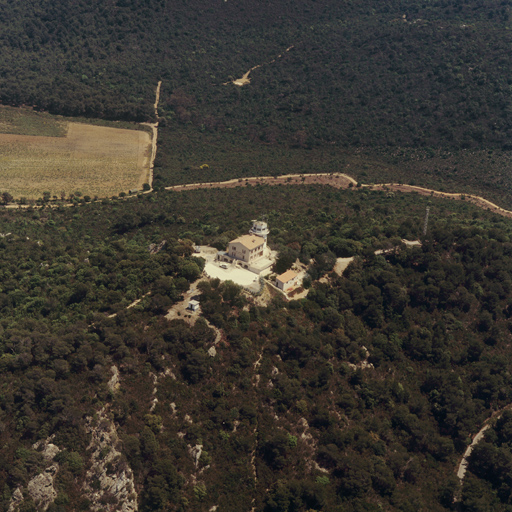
[94, 160]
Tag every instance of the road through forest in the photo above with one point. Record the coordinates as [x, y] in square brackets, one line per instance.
[154, 128]
[340, 180]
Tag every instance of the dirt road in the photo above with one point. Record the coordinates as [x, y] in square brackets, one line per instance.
[154, 128]
[479, 436]
[340, 180]
[337, 180]
[470, 198]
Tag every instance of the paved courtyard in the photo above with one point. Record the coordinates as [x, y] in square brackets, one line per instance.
[233, 272]
[238, 275]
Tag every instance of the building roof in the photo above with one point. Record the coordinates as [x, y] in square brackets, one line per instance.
[249, 241]
[287, 276]
[259, 228]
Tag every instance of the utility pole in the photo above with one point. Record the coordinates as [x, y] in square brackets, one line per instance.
[425, 224]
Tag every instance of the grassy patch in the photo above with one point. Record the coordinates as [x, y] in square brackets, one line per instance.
[25, 121]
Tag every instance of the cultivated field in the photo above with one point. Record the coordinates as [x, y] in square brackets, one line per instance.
[93, 160]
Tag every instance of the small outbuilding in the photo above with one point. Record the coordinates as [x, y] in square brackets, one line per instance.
[193, 305]
[287, 280]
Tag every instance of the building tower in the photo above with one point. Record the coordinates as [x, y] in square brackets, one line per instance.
[260, 228]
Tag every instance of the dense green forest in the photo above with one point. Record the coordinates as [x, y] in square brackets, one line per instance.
[372, 77]
[360, 397]
[379, 72]
[364, 394]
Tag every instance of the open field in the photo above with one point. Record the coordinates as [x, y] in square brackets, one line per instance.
[94, 160]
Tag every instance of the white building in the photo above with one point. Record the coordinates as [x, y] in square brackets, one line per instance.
[249, 251]
[247, 248]
[260, 228]
[193, 305]
[287, 280]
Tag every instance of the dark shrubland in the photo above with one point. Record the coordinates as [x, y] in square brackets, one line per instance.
[365, 392]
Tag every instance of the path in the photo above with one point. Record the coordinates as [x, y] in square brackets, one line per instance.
[154, 128]
[337, 180]
[245, 80]
[470, 198]
[340, 180]
[461, 471]
[463, 465]
[132, 305]
[180, 311]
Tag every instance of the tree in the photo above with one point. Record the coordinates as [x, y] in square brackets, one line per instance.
[148, 443]
[7, 198]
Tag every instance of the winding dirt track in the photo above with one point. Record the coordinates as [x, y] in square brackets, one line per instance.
[470, 198]
[479, 436]
[340, 180]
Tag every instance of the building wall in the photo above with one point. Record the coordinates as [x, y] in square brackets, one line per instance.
[286, 286]
[240, 252]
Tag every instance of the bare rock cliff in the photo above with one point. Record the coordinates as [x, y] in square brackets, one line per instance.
[109, 481]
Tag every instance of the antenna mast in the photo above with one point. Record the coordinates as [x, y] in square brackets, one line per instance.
[425, 224]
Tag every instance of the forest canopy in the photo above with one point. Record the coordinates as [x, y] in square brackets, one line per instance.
[365, 392]
[380, 73]
[362, 395]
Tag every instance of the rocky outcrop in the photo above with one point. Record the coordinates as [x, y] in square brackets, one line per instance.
[166, 373]
[154, 400]
[40, 488]
[46, 447]
[109, 479]
[196, 451]
[16, 500]
[114, 383]
[364, 364]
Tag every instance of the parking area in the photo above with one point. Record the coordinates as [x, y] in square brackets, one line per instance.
[205, 252]
[238, 275]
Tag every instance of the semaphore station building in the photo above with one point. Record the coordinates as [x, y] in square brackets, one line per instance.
[249, 251]
[247, 248]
